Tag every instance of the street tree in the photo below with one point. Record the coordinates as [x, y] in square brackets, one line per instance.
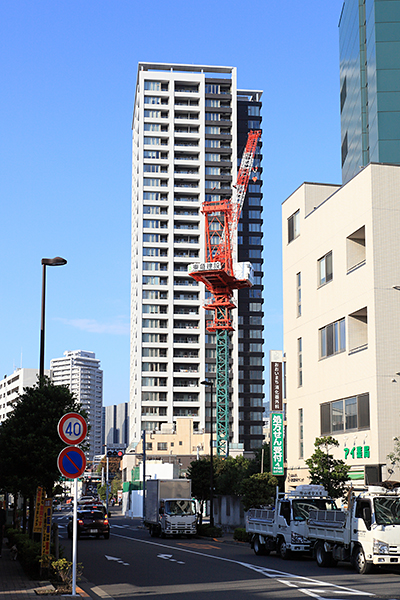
[394, 456]
[258, 490]
[29, 440]
[325, 470]
[199, 472]
[229, 474]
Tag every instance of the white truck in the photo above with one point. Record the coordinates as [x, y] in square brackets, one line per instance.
[284, 528]
[366, 534]
[170, 509]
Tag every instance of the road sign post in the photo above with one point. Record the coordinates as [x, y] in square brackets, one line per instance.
[71, 462]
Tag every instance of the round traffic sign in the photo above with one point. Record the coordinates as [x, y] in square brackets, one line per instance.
[71, 462]
[72, 428]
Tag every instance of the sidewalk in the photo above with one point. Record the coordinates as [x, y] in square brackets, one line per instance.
[16, 585]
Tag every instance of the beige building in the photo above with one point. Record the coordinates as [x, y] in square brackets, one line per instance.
[341, 282]
[177, 444]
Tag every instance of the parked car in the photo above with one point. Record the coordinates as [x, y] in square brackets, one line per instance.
[86, 500]
[91, 522]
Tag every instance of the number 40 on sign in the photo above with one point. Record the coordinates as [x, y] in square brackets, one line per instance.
[72, 428]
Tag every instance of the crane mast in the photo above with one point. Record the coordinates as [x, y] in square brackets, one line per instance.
[221, 276]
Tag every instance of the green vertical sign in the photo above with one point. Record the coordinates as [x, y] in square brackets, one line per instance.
[277, 443]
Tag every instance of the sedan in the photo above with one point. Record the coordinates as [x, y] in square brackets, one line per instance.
[91, 522]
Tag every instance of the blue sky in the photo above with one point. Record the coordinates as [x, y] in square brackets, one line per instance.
[67, 73]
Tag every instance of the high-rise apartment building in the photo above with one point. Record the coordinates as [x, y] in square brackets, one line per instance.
[81, 372]
[190, 127]
[369, 32]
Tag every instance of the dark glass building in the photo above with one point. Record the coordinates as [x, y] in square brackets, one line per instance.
[369, 33]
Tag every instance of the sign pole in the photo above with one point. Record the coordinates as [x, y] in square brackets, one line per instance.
[74, 537]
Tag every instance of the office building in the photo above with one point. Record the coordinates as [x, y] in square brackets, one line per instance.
[116, 426]
[12, 386]
[190, 127]
[341, 281]
[369, 32]
[81, 372]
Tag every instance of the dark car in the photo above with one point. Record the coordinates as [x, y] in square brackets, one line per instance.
[91, 522]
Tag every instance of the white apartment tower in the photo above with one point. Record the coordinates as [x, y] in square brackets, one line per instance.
[186, 148]
[81, 372]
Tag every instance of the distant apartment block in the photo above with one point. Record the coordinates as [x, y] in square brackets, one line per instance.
[81, 372]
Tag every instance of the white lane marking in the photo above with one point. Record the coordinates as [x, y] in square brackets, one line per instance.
[169, 557]
[118, 560]
[285, 578]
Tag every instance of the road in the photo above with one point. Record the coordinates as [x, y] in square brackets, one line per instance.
[132, 565]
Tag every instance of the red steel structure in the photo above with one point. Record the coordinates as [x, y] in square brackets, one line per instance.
[222, 276]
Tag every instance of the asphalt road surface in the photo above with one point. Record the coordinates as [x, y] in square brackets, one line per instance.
[132, 565]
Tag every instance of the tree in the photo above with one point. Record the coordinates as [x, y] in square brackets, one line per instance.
[394, 456]
[199, 472]
[29, 440]
[255, 464]
[258, 490]
[229, 474]
[325, 470]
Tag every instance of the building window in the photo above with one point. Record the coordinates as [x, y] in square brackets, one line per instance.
[300, 362]
[332, 338]
[301, 434]
[344, 149]
[298, 293]
[343, 94]
[345, 415]
[162, 446]
[152, 85]
[293, 226]
[253, 111]
[325, 272]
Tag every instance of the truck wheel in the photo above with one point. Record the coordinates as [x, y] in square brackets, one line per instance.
[283, 550]
[258, 547]
[360, 564]
[323, 558]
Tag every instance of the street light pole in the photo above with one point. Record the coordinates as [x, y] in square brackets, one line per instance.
[51, 262]
[211, 385]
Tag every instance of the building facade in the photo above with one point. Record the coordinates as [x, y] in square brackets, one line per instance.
[116, 425]
[12, 386]
[341, 279]
[80, 371]
[369, 32]
[189, 129]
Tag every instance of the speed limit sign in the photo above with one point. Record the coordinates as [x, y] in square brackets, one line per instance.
[72, 428]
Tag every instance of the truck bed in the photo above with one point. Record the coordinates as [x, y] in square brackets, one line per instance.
[328, 525]
[260, 520]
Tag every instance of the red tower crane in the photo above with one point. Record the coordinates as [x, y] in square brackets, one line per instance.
[222, 275]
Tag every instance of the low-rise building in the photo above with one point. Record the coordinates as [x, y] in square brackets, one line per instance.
[12, 386]
[341, 282]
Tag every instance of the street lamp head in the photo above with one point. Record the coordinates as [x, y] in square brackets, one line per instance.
[54, 262]
[206, 382]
